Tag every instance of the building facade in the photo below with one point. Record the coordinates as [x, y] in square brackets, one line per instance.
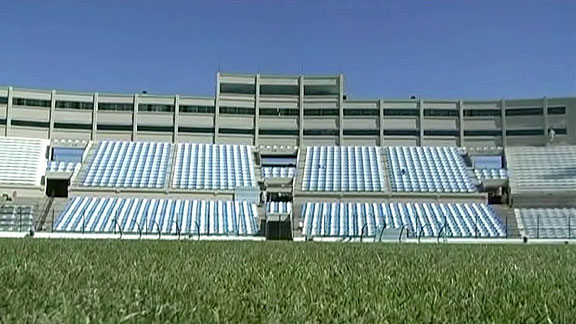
[286, 110]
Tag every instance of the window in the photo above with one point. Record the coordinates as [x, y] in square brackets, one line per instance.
[109, 127]
[74, 105]
[30, 102]
[240, 131]
[204, 130]
[401, 132]
[281, 132]
[270, 89]
[321, 112]
[440, 113]
[482, 113]
[487, 161]
[524, 112]
[401, 112]
[524, 132]
[237, 88]
[560, 131]
[279, 111]
[150, 128]
[67, 154]
[72, 126]
[236, 110]
[2, 121]
[441, 132]
[3, 100]
[155, 108]
[553, 110]
[30, 123]
[360, 112]
[197, 109]
[482, 132]
[115, 106]
[361, 132]
[321, 132]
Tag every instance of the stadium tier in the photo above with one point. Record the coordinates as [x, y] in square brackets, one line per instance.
[129, 165]
[345, 168]
[16, 218]
[274, 172]
[542, 169]
[558, 223]
[491, 174]
[279, 207]
[428, 169]
[59, 166]
[213, 167]
[167, 216]
[22, 161]
[351, 219]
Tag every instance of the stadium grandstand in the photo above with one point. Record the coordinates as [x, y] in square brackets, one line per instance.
[286, 157]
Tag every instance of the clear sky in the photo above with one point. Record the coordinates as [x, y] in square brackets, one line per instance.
[385, 49]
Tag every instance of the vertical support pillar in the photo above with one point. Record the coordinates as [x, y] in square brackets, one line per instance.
[9, 111]
[52, 114]
[461, 125]
[545, 121]
[257, 111]
[175, 122]
[421, 122]
[217, 108]
[381, 121]
[94, 117]
[503, 121]
[135, 119]
[340, 109]
[301, 112]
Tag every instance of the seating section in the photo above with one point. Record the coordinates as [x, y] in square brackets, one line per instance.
[428, 169]
[59, 166]
[213, 167]
[368, 219]
[151, 216]
[538, 169]
[16, 218]
[274, 172]
[119, 164]
[491, 174]
[279, 207]
[343, 168]
[22, 161]
[549, 223]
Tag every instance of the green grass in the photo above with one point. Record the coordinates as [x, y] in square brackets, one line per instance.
[131, 281]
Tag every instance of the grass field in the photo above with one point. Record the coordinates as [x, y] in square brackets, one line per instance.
[204, 282]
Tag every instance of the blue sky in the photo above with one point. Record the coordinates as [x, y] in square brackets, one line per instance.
[385, 49]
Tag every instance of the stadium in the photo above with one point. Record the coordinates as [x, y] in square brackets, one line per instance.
[279, 157]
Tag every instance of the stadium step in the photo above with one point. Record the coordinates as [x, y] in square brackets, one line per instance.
[384, 168]
[507, 216]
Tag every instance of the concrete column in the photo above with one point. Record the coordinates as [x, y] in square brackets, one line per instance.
[176, 118]
[381, 121]
[545, 120]
[257, 111]
[135, 119]
[421, 121]
[461, 125]
[9, 111]
[52, 114]
[301, 111]
[503, 121]
[340, 109]
[94, 117]
[217, 108]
